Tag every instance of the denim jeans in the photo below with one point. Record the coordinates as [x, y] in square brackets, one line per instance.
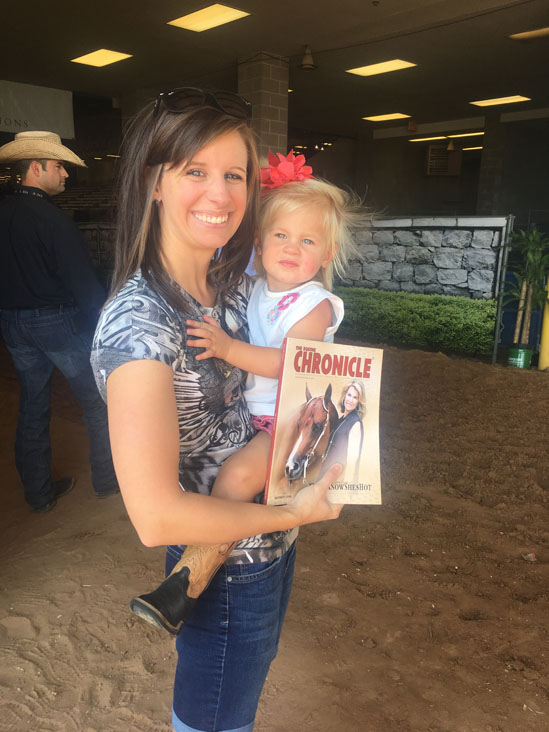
[227, 645]
[38, 340]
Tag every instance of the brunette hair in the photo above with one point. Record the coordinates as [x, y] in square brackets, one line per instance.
[153, 140]
[361, 404]
[21, 167]
[341, 211]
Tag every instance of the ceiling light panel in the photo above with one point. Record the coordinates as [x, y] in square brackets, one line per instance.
[386, 117]
[500, 100]
[467, 134]
[473, 148]
[207, 18]
[101, 57]
[426, 139]
[385, 67]
[527, 35]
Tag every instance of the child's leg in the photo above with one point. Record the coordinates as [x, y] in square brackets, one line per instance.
[173, 601]
[241, 478]
[243, 475]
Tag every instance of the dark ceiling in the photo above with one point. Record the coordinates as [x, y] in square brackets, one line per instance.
[460, 47]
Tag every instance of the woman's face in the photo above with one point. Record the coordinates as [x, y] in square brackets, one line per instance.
[350, 401]
[202, 202]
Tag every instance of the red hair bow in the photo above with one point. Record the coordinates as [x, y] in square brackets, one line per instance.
[283, 169]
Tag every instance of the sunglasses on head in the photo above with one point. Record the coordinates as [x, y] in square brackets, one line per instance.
[187, 98]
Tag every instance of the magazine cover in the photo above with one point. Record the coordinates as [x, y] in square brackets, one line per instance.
[327, 412]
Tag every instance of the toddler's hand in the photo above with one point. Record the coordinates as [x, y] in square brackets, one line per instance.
[211, 337]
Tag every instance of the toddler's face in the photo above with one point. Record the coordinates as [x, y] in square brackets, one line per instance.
[294, 248]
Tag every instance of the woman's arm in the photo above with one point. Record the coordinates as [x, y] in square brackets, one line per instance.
[145, 446]
[260, 360]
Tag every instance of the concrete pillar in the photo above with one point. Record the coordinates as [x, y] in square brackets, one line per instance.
[491, 167]
[263, 80]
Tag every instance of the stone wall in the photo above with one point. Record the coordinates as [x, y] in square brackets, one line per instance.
[433, 256]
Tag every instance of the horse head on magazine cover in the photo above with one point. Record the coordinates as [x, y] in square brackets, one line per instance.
[309, 437]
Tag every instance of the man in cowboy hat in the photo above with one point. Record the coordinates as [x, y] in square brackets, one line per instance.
[49, 303]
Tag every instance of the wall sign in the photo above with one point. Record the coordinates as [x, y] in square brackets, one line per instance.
[27, 107]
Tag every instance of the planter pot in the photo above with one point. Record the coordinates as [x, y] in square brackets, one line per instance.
[520, 356]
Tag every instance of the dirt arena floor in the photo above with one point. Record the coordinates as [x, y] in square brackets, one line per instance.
[426, 614]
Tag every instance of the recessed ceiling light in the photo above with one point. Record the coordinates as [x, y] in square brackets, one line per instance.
[467, 134]
[207, 18]
[501, 100]
[98, 158]
[473, 148]
[290, 91]
[101, 57]
[424, 139]
[382, 68]
[537, 33]
[385, 117]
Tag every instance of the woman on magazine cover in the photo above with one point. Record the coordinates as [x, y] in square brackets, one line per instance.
[347, 439]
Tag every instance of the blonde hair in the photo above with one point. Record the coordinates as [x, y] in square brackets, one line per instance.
[361, 404]
[342, 211]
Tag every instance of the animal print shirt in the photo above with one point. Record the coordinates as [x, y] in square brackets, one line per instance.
[214, 421]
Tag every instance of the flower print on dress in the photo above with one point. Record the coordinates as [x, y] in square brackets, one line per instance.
[284, 303]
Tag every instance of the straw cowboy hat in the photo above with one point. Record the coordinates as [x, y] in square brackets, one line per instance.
[38, 145]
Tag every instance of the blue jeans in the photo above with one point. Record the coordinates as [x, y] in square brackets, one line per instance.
[227, 645]
[38, 340]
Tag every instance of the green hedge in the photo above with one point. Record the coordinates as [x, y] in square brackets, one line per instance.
[440, 322]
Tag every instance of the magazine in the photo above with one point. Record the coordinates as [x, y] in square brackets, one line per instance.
[327, 412]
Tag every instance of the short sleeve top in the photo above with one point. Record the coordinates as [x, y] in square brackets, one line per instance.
[271, 315]
[138, 323]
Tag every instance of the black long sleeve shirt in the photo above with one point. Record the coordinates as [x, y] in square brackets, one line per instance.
[43, 258]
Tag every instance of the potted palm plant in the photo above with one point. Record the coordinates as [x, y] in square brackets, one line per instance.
[532, 250]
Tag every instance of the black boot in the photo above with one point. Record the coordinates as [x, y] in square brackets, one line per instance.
[169, 605]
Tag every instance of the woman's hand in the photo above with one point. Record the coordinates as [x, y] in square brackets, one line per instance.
[311, 504]
[211, 337]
